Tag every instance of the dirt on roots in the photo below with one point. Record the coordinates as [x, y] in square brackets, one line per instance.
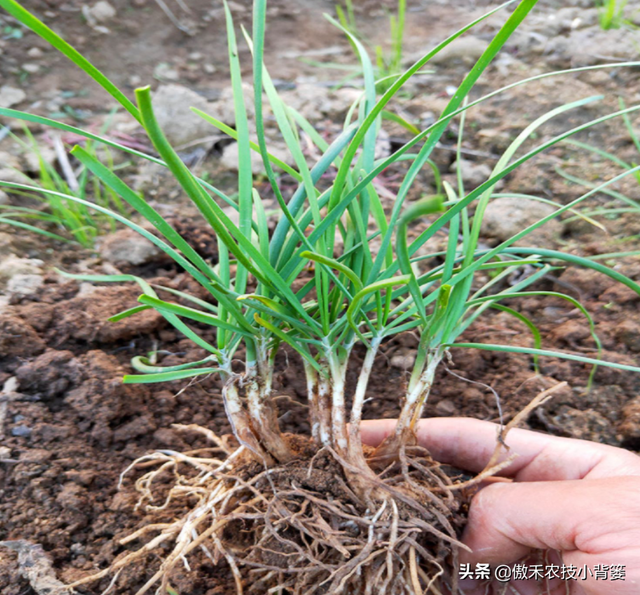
[298, 528]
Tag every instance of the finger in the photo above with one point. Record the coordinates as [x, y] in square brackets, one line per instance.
[507, 521]
[469, 444]
[374, 431]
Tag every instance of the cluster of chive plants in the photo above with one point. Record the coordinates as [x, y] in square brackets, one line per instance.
[56, 217]
[316, 284]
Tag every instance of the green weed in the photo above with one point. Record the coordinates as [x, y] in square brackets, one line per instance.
[72, 221]
[611, 14]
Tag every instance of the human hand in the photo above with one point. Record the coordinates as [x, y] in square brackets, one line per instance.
[577, 498]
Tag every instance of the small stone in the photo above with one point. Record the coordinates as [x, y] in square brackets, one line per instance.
[71, 496]
[403, 362]
[35, 53]
[122, 501]
[138, 426]
[472, 394]
[224, 107]
[229, 158]
[571, 332]
[209, 68]
[14, 176]
[465, 49]
[102, 11]
[126, 246]
[233, 214]
[166, 73]
[12, 266]
[31, 68]
[36, 455]
[135, 80]
[472, 173]
[10, 386]
[4, 198]
[17, 338]
[5, 452]
[32, 158]
[586, 46]
[505, 217]
[628, 332]
[8, 160]
[179, 123]
[167, 437]
[10, 96]
[21, 431]
[86, 289]
[108, 269]
[195, 56]
[24, 285]
[554, 313]
[82, 478]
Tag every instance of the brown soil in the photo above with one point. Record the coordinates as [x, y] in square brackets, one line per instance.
[140, 35]
[74, 426]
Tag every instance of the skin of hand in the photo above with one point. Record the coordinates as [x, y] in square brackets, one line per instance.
[579, 500]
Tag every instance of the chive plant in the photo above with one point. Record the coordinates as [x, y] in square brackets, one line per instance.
[388, 65]
[317, 286]
[611, 14]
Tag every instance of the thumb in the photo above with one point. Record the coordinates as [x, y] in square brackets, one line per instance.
[508, 520]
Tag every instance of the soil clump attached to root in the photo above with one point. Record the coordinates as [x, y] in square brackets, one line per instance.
[299, 527]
